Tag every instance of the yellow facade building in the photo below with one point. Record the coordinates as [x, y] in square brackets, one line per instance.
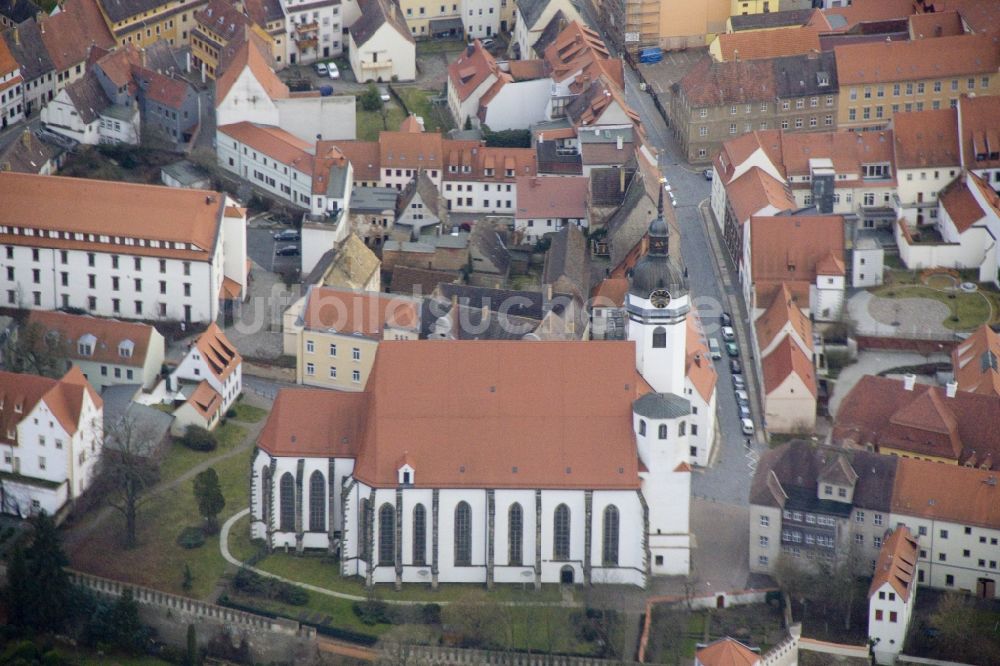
[142, 22]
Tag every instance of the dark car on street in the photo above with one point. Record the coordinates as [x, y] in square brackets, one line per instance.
[287, 251]
[287, 235]
[735, 367]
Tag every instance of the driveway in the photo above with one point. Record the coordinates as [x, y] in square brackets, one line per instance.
[898, 317]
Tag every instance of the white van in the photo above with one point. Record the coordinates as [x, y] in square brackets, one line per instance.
[713, 346]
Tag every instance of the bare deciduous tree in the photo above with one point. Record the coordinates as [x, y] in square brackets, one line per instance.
[126, 471]
[36, 351]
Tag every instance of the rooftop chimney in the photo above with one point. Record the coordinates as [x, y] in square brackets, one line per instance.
[470, 48]
[909, 380]
[951, 388]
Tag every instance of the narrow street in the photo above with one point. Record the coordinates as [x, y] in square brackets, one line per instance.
[728, 479]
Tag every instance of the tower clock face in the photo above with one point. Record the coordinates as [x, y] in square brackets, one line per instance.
[660, 298]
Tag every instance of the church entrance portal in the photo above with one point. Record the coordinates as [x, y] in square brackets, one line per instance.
[566, 575]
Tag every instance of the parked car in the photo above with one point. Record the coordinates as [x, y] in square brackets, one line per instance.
[744, 411]
[728, 334]
[321, 69]
[707, 173]
[735, 367]
[747, 426]
[732, 349]
[673, 199]
[742, 397]
[334, 72]
[726, 319]
[488, 42]
[287, 235]
[288, 251]
[713, 347]
[383, 94]
[738, 383]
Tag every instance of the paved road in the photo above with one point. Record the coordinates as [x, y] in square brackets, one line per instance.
[728, 479]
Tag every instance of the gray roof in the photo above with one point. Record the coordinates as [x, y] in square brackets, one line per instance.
[798, 75]
[422, 184]
[373, 14]
[546, 125]
[373, 199]
[321, 267]
[550, 160]
[662, 406]
[149, 423]
[18, 10]
[160, 58]
[606, 185]
[336, 184]
[486, 241]
[88, 97]
[454, 241]
[551, 30]
[771, 19]
[185, 172]
[122, 9]
[468, 323]
[528, 304]
[27, 154]
[531, 11]
[418, 281]
[465, 135]
[30, 53]
[604, 134]
[568, 257]
[407, 246]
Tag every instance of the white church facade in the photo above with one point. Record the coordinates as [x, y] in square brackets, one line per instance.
[548, 462]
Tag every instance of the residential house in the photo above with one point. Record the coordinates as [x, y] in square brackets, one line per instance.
[764, 44]
[107, 351]
[25, 43]
[601, 103]
[633, 25]
[489, 259]
[352, 265]
[209, 378]
[804, 252]
[917, 421]
[546, 205]
[51, 441]
[602, 148]
[783, 338]
[372, 211]
[28, 154]
[215, 28]
[271, 16]
[364, 158]
[419, 281]
[315, 30]
[892, 594]
[69, 34]
[878, 79]
[11, 88]
[979, 144]
[170, 251]
[82, 111]
[337, 332]
[381, 46]
[530, 20]
[628, 223]
[974, 362]
[420, 210]
[480, 179]
[13, 12]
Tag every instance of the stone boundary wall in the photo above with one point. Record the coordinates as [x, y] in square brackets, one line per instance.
[446, 656]
[918, 345]
[839, 649]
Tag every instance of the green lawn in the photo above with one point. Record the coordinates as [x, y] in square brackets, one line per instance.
[158, 561]
[180, 458]
[418, 101]
[248, 413]
[331, 610]
[429, 46]
[973, 310]
[369, 123]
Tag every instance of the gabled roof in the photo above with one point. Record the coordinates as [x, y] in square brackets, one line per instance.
[759, 45]
[781, 19]
[976, 362]
[88, 97]
[274, 142]
[524, 304]
[18, 10]
[568, 257]
[19, 394]
[8, 63]
[711, 83]
[314, 422]
[353, 265]
[784, 360]
[885, 62]
[806, 74]
[897, 563]
[556, 198]
[365, 313]
[418, 281]
[111, 337]
[754, 191]
[486, 163]
[473, 67]
[421, 185]
[838, 472]
[727, 652]
[861, 11]
[926, 138]
[531, 11]
[219, 353]
[25, 43]
[363, 156]
[936, 24]
[27, 154]
[375, 14]
[413, 150]
[223, 19]
[980, 136]
[588, 106]
[783, 310]
[485, 242]
[578, 49]
[699, 368]
[880, 412]
[790, 248]
[248, 53]
[961, 204]
[499, 427]
[205, 400]
[950, 493]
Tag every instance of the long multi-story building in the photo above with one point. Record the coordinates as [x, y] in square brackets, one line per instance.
[142, 22]
[879, 79]
[119, 250]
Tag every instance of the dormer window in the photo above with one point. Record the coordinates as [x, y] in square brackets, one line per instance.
[125, 349]
[17, 408]
[406, 475]
[509, 173]
[823, 78]
[488, 172]
[85, 345]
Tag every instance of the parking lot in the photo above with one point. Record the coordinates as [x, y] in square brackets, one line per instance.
[262, 249]
[675, 64]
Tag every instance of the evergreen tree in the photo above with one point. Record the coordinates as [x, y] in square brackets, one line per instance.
[208, 494]
[39, 593]
[191, 658]
[128, 631]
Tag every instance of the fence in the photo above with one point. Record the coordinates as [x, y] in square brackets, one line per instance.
[193, 607]
[445, 656]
